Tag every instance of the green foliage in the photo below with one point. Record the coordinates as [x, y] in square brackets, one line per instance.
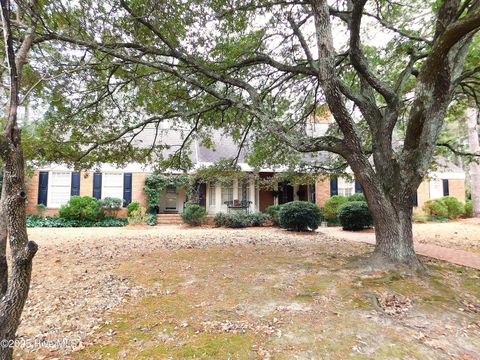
[330, 209]
[40, 209]
[132, 207]
[82, 208]
[56, 222]
[240, 219]
[138, 216]
[355, 216]
[273, 211]
[445, 207]
[468, 209]
[111, 206]
[152, 219]
[436, 207]
[156, 184]
[300, 216]
[194, 215]
[357, 197]
[454, 206]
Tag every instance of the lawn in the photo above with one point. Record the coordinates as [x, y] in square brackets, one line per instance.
[171, 292]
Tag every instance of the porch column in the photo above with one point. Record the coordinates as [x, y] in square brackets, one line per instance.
[251, 196]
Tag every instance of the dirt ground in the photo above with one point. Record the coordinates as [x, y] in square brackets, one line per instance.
[175, 293]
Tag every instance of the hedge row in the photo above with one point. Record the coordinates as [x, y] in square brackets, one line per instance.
[56, 222]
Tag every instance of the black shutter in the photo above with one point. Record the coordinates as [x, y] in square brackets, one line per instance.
[97, 185]
[75, 189]
[127, 189]
[333, 186]
[358, 187]
[43, 187]
[202, 194]
[415, 199]
[446, 190]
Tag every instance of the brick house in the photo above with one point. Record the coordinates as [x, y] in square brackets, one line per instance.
[54, 185]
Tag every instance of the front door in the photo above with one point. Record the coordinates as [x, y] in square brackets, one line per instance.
[171, 199]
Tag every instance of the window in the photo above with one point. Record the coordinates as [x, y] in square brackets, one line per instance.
[436, 188]
[212, 194]
[59, 187]
[227, 192]
[112, 185]
[346, 187]
[245, 194]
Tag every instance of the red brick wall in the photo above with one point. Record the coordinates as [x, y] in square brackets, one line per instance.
[322, 191]
[86, 189]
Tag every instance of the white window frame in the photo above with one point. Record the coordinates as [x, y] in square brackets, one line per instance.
[231, 189]
[345, 187]
[436, 188]
[212, 195]
[51, 189]
[105, 186]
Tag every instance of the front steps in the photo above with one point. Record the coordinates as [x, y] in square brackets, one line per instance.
[169, 219]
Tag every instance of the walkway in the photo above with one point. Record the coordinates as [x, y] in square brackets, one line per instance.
[459, 257]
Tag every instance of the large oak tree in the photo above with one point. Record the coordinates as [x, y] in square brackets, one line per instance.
[387, 70]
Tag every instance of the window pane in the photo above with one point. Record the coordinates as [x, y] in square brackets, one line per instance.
[112, 185]
[59, 189]
[211, 194]
[227, 192]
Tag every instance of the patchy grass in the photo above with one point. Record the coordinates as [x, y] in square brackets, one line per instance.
[301, 301]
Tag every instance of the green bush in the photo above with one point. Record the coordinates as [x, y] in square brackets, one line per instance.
[194, 215]
[132, 207]
[468, 209]
[152, 219]
[355, 216]
[357, 197]
[111, 206]
[240, 219]
[82, 208]
[273, 211]
[454, 206]
[300, 216]
[138, 216]
[330, 209]
[55, 222]
[436, 207]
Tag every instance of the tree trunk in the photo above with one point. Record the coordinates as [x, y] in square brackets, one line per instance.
[14, 201]
[473, 134]
[394, 238]
[3, 248]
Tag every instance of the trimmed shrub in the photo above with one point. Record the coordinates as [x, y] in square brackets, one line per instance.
[132, 207]
[55, 222]
[300, 216]
[82, 208]
[454, 206]
[357, 197]
[240, 219]
[194, 215]
[468, 209]
[152, 219]
[111, 206]
[330, 209]
[355, 216]
[436, 207]
[273, 211]
[138, 216]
